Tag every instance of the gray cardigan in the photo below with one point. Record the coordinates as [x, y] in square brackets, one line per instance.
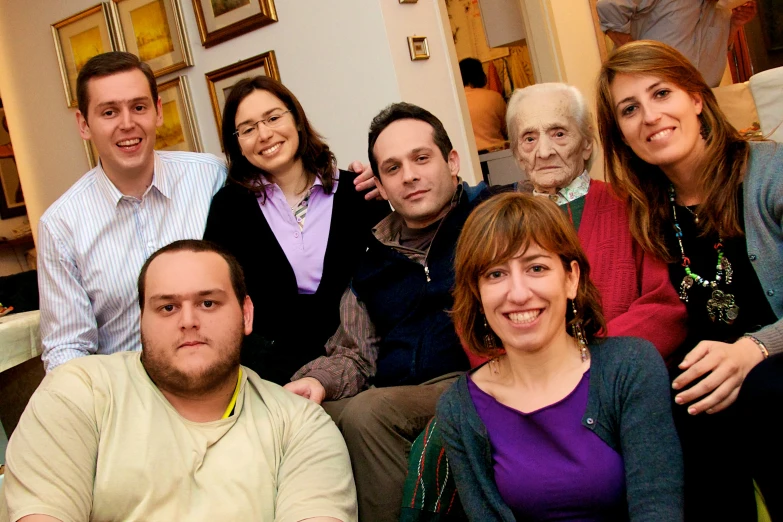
[628, 406]
[763, 204]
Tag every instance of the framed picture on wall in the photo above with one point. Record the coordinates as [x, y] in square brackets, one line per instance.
[154, 31]
[79, 38]
[179, 130]
[11, 197]
[418, 48]
[221, 81]
[92, 153]
[221, 20]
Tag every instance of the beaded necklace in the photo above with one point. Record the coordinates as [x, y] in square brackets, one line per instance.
[721, 305]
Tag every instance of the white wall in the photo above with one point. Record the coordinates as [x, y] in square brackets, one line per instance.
[344, 59]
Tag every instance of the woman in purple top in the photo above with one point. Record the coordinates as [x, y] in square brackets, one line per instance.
[294, 222]
[552, 428]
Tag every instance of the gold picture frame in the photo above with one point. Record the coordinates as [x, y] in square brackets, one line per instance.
[154, 31]
[77, 39]
[92, 153]
[221, 20]
[179, 130]
[222, 80]
[11, 196]
[408, 1]
[418, 47]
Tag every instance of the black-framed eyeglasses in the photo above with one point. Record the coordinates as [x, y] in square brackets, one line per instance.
[250, 130]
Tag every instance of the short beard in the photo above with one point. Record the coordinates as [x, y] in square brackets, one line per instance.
[199, 382]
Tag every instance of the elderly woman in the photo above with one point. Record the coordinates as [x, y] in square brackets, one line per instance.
[552, 138]
[557, 425]
[711, 204]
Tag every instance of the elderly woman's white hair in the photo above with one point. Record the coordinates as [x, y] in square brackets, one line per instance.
[579, 111]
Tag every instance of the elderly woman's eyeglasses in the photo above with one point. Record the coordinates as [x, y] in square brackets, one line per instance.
[246, 131]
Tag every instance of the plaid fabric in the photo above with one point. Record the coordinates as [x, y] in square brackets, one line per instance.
[300, 211]
[430, 494]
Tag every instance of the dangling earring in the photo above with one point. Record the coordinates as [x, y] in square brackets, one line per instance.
[579, 333]
[489, 339]
[704, 129]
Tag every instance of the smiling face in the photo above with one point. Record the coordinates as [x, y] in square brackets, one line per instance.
[122, 120]
[414, 176]
[192, 324]
[524, 299]
[272, 149]
[659, 121]
[550, 149]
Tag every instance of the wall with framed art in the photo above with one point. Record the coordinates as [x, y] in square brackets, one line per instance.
[342, 78]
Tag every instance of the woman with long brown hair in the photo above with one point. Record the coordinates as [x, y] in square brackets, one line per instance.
[561, 424]
[293, 220]
[711, 204]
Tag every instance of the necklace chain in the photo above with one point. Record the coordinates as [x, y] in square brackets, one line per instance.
[694, 214]
[721, 305]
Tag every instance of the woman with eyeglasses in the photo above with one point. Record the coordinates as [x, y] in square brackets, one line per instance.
[561, 424]
[293, 220]
[711, 203]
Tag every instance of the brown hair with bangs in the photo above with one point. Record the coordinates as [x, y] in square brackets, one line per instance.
[644, 186]
[317, 159]
[498, 230]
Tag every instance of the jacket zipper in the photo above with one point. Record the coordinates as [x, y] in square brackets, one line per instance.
[454, 202]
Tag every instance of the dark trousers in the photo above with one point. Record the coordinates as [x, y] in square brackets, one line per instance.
[718, 481]
[760, 404]
[724, 452]
[379, 426]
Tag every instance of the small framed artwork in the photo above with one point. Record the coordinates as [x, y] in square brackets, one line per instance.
[92, 153]
[179, 130]
[154, 31]
[408, 1]
[418, 47]
[11, 197]
[79, 38]
[221, 20]
[221, 81]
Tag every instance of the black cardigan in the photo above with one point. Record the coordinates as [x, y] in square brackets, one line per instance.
[290, 329]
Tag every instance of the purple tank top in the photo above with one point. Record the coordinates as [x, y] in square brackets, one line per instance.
[547, 465]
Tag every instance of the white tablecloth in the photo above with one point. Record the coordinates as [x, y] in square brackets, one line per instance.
[20, 338]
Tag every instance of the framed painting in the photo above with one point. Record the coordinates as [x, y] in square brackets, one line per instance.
[92, 153]
[11, 197]
[418, 48]
[221, 81]
[221, 20]
[79, 38]
[154, 31]
[179, 130]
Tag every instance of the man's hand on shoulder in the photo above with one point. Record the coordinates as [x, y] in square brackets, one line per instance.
[309, 388]
[365, 180]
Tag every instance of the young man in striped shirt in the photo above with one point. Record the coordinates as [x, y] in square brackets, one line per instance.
[94, 239]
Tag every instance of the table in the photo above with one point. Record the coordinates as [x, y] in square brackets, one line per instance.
[20, 338]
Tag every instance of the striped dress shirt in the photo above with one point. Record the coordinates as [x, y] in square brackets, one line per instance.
[93, 241]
